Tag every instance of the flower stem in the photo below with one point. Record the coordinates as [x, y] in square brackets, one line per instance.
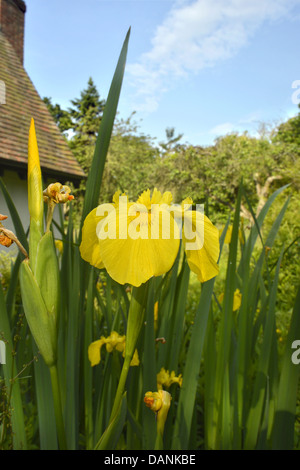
[159, 442]
[51, 206]
[134, 324]
[58, 408]
[121, 386]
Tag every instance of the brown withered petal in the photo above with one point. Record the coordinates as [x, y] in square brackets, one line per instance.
[4, 240]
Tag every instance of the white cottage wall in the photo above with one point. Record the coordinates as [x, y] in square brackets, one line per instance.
[17, 189]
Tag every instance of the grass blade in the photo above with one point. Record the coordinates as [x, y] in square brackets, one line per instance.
[284, 422]
[9, 369]
[45, 406]
[110, 437]
[260, 386]
[187, 395]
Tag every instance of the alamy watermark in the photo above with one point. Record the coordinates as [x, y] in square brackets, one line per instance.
[2, 353]
[296, 94]
[2, 92]
[160, 221]
[296, 354]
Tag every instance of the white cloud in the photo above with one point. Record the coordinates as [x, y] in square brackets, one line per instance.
[249, 122]
[195, 35]
[223, 129]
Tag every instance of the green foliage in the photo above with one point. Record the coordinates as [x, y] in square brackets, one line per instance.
[289, 239]
[215, 172]
[172, 142]
[82, 119]
[86, 113]
[130, 161]
[289, 132]
[61, 117]
[6, 262]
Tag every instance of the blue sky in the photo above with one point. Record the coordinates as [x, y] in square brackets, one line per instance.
[204, 67]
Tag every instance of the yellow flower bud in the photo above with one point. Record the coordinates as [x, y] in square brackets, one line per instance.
[153, 400]
[35, 191]
[159, 402]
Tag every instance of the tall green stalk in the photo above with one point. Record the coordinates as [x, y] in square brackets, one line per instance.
[58, 408]
[134, 324]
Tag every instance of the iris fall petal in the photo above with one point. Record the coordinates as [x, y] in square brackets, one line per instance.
[203, 259]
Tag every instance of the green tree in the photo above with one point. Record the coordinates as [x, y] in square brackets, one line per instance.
[131, 161]
[61, 117]
[83, 119]
[172, 142]
[86, 113]
[214, 173]
[289, 131]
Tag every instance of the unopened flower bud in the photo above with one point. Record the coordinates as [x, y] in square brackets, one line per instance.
[159, 402]
[35, 190]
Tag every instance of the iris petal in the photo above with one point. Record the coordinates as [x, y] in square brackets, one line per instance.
[203, 259]
[134, 261]
[94, 351]
[89, 247]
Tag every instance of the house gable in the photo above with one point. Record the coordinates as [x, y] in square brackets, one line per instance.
[21, 102]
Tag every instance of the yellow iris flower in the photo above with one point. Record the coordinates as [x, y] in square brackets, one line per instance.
[164, 378]
[113, 342]
[142, 245]
[237, 299]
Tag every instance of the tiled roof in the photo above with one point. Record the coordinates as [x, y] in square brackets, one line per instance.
[22, 103]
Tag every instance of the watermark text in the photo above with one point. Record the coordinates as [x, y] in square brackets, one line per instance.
[158, 222]
[296, 94]
[296, 354]
[2, 353]
[2, 92]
